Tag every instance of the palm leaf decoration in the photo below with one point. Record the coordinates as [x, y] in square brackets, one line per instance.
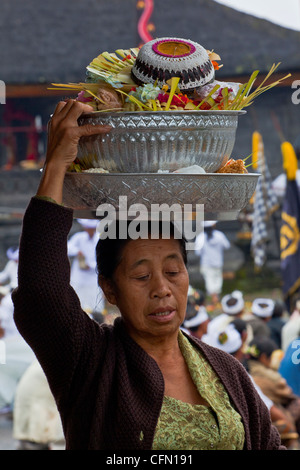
[245, 98]
[114, 68]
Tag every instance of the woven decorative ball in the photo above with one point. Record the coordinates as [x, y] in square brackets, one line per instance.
[161, 59]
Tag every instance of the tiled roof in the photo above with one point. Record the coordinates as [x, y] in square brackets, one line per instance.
[54, 41]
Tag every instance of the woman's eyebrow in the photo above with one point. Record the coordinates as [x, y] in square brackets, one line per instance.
[138, 263]
[173, 256]
[145, 260]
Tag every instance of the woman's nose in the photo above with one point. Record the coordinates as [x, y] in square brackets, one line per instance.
[160, 286]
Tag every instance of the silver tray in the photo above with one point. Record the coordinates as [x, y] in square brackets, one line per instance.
[145, 142]
[223, 195]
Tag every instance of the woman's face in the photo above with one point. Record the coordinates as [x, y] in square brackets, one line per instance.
[150, 287]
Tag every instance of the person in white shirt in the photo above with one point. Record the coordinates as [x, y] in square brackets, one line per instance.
[9, 280]
[82, 248]
[7, 324]
[9, 275]
[210, 245]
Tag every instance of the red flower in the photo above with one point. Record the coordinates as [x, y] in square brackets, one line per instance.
[177, 100]
[163, 97]
[184, 99]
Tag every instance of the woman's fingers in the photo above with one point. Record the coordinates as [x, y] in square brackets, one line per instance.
[64, 132]
[57, 116]
[89, 129]
[59, 107]
[67, 114]
[75, 109]
[70, 110]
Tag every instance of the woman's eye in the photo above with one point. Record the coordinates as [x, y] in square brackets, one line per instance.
[172, 273]
[142, 278]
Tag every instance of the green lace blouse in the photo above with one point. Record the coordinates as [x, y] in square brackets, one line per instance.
[182, 426]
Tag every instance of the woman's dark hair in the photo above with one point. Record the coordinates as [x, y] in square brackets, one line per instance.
[109, 250]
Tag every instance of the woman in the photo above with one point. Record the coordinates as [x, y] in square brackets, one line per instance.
[117, 386]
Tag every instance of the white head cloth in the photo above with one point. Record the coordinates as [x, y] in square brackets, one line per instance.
[88, 223]
[13, 254]
[263, 307]
[209, 223]
[229, 339]
[198, 319]
[237, 307]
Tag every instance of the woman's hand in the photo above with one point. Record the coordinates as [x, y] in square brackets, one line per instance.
[63, 137]
[64, 132]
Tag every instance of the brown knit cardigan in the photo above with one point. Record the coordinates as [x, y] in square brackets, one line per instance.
[108, 390]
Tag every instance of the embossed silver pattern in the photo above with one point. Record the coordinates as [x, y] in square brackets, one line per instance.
[145, 142]
[223, 195]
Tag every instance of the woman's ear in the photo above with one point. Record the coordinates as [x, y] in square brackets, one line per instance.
[108, 289]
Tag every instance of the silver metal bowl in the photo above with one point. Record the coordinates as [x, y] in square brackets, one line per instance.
[223, 195]
[145, 142]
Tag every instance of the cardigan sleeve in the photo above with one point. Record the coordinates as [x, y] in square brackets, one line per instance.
[47, 311]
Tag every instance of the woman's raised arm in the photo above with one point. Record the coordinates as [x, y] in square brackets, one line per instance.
[63, 137]
[47, 310]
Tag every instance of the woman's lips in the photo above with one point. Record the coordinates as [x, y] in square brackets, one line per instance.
[163, 314]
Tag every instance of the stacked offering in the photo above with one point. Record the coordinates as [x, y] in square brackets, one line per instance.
[168, 113]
